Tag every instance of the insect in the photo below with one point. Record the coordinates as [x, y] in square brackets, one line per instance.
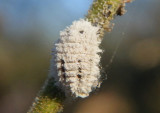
[76, 59]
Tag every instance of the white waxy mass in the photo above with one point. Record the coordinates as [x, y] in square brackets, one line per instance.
[75, 61]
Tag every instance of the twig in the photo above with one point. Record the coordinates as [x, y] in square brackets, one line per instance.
[50, 99]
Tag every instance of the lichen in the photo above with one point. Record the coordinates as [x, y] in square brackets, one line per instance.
[49, 100]
[103, 11]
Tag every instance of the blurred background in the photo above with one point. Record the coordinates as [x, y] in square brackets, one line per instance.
[28, 29]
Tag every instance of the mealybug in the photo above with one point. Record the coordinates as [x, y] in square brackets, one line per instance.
[75, 59]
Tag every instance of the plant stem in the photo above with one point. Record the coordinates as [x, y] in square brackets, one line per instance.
[50, 99]
[103, 11]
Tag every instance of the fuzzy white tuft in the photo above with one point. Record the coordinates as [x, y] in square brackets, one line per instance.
[76, 60]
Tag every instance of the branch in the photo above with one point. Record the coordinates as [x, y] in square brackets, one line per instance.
[103, 11]
[50, 99]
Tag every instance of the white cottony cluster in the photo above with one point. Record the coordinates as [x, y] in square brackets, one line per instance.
[75, 62]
